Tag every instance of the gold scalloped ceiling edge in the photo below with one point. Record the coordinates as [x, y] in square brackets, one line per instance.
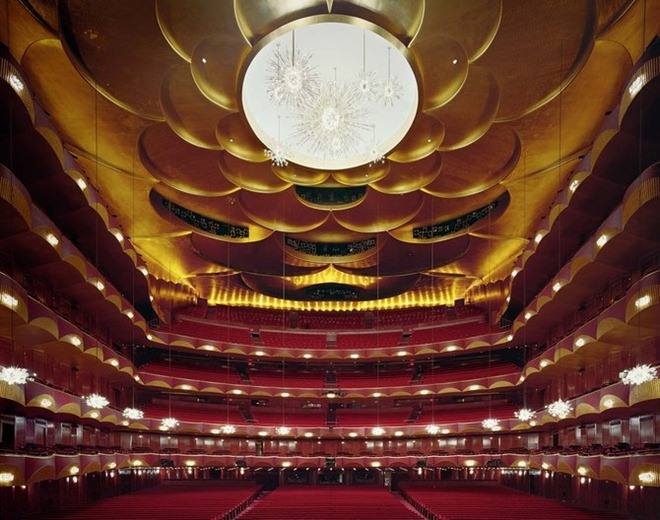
[171, 73]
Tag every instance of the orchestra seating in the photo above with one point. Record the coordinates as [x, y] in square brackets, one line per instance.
[192, 500]
[329, 503]
[489, 501]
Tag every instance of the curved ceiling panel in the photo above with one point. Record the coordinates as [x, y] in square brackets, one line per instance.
[471, 112]
[281, 211]
[215, 63]
[235, 136]
[537, 51]
[335, 252]
[251, 176]
[398, 258]
[443, 66]
[331, 231]
[443, 219]
[423, 138]
[192, 116]
[296, 174]
[263, 257]
[472, 24]
[109, 41]
[407, 177]
[222, 209]
[380, 212]
[479, 166]
[363, 174]
[402, 19]
[185, 23]
[181, 165]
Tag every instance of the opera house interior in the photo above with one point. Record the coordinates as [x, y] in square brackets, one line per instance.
[329, 259]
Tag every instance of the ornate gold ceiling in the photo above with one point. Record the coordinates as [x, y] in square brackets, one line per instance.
[146, 96]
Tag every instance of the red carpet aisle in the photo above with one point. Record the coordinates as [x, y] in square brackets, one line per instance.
[329, 503]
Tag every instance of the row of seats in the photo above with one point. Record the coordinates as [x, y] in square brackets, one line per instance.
[329, 503]
[490, 501]
[190, 500]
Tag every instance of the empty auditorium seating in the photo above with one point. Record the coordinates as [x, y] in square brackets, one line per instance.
[193, 412]
[206, 330]
[439, 375]
[488, 501]
[197, 374]
[448, 333]
[291, 379]
[310, 418]
[189, 500]
[369, 339]
[329, 503]
[272, 338]
[370, 417]
[370, 380]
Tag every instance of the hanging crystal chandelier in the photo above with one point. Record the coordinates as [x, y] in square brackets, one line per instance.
[276, 155]
[133, 413]
[491, 424]
[638, 374]
[377, 430]
[293, 79]
[168, 423]
[283, 430]
[560, 409]
[96, 401]
[525, 414]
[228, 429]
[432, 429]
[15, 375]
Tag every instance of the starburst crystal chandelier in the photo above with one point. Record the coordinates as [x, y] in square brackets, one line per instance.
[228, 428]
[638, 374]
[169, 423]
[432, 429]
[491, 424]
[293, 80]
[14, 375]
[525, 414]
[560, 409]
[333, 123]
[276, 155]
[377, 430]
[96, 401]
[283, 430]
[133, 413]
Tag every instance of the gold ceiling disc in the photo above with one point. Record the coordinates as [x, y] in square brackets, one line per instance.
[192, 116]
[235, 136]
[380, 212]
[281, 211]
[471, 112]
[181, 165]
[119, 49]
[423, 138]
[251, 176]
[215, 64]
[296, 174]
[497, 154]
[362, 175]
[472, 24]
[408, 177]
[537, 51]
[184, 23]
[443, 65]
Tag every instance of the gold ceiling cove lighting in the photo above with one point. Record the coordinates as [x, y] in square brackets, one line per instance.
[329, 92]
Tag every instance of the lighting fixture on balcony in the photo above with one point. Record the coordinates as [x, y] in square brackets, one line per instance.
[75, 341]
[544, 363]
[377, 430]
[425, 391]
[377, 394]
[283, 430]
[260, 353]
[168, 423]
[556, 286]
[74, 470]
[285, 394]
[451, 348]
[352, 434]
[46, 403]
[582, 470]
[402, 353]
[470, 463]
[286, 464]
[150, 337]
[515, 272]
[398, 433]
[491, 424]
[643, 302]
[8, 300]
[16, 83]
[331, 395]
[538, 237]
[262, 433]
[375, 464]
[522, 464]
[130, 314]
[81, 183]
[228, 429]
[573, 185]
[237, 391]
[307, 356]
[99, 285]
[528, 315]
[445, 431]
[14, 375]
[432, 429]
[143, 270]
[545, 465]
[96, 401]
[308, 435]
[114, 362]
[560, 409]
[638, 374]
[190, 463]
[509, 337]
[608, 403]
[472, 388]
[647, 477]
[602, 240]
[580, 342]
[94, 414]
[52, 239]
[354, 356]
[215, 431]
[118, 235]
[525, 414]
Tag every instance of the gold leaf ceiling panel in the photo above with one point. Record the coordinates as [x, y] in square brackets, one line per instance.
[510, 95]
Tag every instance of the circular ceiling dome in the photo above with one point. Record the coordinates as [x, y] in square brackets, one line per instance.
[329, 94]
